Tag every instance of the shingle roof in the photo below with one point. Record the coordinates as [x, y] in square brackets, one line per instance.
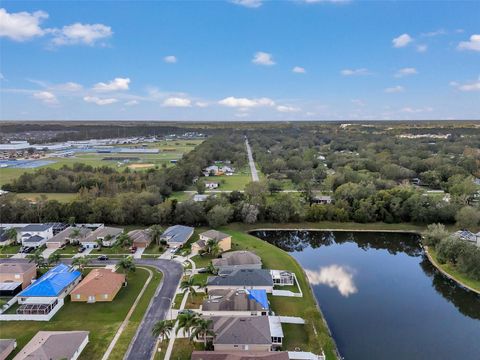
[239, 355]
[242, 330]
[177, 233]
[5, 344]
[140, 236]
[65, 234]
[16, 267]
[98, 281]
[53, 282]
[235, 300]
[215, 235]
[33, 239]
[37, 227]
[235, 258]
[242, 277]
[48, 345]
[101, 232]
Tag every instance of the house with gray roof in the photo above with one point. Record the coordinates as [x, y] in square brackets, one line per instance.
[177, 235]
[66, 236]
[239, 355]
[6, 347]
[238, 302]
[255, 333]
[108, 235]
[35, 235]
[252, 279]
[54, 345]
[234, 260]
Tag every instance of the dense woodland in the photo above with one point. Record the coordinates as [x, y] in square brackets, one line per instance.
[368, 170]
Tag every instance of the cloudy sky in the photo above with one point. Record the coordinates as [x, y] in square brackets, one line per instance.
[240, 60]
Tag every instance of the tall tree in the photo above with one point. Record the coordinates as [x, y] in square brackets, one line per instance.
[127, 265]
[162, 329]
[186, 321]
[155, 232]
[202, 328]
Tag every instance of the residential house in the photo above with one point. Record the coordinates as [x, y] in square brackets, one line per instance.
[177, 235]
[282, 277]
[258, 279]
[238, 302]
[223, 240]
[21, 272]
[253, 333]
[44, 294]
[468, 236]
[211, 185]
[6, 240]
[200, 197]
[239, 355]
[140, 238]
[240, 259]
[67, 236]
[322, 199]
[106, 234]
[35, 235]
[98, 285]
[6, 347]
[54, 345]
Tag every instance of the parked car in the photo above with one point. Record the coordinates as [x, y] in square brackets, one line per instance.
[81, 249]
[202, 270]
[103, 257]
[28, 250]
[133, 249]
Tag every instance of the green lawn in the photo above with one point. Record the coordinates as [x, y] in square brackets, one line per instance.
[194, 301]
[61, 197]
[101, 319]
[154, 249]
[183, 348]
[452, 270]
[202, 261]
[181, 196]
[177, 301]
[9, 249]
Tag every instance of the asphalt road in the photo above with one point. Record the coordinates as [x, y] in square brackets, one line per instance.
[143, 343]
[253, 169]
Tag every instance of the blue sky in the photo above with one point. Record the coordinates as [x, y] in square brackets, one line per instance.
[239, 60]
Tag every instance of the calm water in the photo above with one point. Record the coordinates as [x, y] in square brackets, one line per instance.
[382, 298]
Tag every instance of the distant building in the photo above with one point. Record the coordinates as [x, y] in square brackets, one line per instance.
[54, 345]
[211, 185]
[177, 235]
[223, 240]
[468, 236]
[200, 197]
[251, 279]
[322, 199]
[66, 236]
[100, 285]
[282, 277]
[241, 259]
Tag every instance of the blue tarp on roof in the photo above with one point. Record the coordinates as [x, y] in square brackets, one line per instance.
[259, 296]
[53, 282]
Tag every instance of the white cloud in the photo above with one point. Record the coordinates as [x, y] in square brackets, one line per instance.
[245, 102]
[131, 103]
[287, 109]
[467, 87]
[354, 72]
[78, 33]
[422, 48]
[100, 101]
[473, 44]
[177, 102]
[248, 3]
[358, 102]
[69, 86]
[334, 276]
[416, 110]
[201, 104]
[405, 72]
[21, 26]
[46, 96]
[394, 89]
[263, 58]
[434, 33]
[402, 41]
[170, 59]
[299, 70]
[114, 85]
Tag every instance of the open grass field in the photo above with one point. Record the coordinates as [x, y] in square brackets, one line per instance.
[101, 319]
[169, 150]
[60, 197]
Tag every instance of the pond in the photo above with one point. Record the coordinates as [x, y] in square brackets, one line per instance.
[382, 298]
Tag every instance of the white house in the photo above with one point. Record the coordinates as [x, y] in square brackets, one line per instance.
[35, 235]
[211, 185]
[108, 235]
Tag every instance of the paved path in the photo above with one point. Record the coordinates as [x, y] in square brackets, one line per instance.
[253, 169]
[138, 253]
[47, 252]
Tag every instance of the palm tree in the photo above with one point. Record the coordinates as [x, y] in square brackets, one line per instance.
[163, 329]
[186, 321]
[155, 232]
[37, 258]
[127, 265]
[53, 259]
[124, 240]
[81, 262]
[75, 234]
[202, 328]
[213, 248]
[212, 269]
[11, 234]
[189, 286]
[100, 242]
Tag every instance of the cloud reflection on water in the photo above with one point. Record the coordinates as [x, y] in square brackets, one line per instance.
[335, 276]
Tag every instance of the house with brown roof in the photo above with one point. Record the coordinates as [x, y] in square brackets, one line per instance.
[140, 238]
[20, 272]
[66, 236]
[106, 234]
[223, 240]
[54, 345]
[234, 260]
[98, 285]
[239, 355]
